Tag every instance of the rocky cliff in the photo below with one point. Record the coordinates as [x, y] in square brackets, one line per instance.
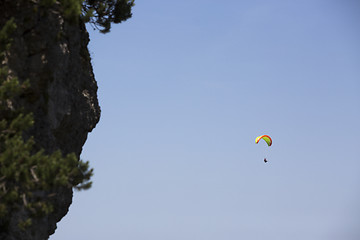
[52, 53]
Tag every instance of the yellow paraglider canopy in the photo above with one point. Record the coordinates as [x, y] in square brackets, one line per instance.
[266, 138]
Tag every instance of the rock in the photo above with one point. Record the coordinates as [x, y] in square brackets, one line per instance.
[52, 53]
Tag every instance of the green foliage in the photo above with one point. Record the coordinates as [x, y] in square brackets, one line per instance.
[29, 179]
[72, 9]
[23, 224]
[23, 173]
[5, 41]
[101, 13]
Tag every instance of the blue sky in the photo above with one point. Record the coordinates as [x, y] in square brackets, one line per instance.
[185, 87]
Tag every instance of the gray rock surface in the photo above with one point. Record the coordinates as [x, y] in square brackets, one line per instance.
[52, 53]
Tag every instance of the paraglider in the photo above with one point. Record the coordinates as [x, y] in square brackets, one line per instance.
[267, 139]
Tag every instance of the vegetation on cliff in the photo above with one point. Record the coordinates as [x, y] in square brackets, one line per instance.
[30, 179]
[100, 13]
[27, 178]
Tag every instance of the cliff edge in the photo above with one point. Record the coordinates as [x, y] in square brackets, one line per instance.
[51, 52]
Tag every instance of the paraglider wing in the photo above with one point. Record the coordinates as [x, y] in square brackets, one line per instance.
[266, 138]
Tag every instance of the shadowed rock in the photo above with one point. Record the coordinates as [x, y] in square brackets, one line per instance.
[52, 53]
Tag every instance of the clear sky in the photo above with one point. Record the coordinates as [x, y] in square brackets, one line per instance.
[185, 87]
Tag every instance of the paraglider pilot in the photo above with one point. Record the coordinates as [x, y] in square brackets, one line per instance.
[267, 139]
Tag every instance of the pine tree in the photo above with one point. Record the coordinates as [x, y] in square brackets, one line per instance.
[102, 13]
[99, 13]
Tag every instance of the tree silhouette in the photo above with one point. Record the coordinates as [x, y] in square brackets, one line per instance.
[102, 13]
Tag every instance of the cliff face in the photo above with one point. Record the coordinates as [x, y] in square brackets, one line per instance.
[52, 53]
